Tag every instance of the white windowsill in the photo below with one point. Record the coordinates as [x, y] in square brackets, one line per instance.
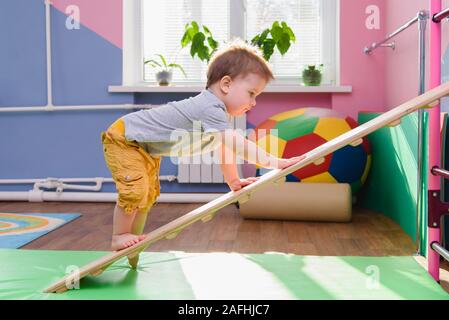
[197, 88]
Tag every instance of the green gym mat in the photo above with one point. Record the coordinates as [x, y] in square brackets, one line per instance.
[208, 276]
[391, 187]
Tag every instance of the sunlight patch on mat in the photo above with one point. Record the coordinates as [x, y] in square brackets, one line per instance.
[236, 276]
[343, 281]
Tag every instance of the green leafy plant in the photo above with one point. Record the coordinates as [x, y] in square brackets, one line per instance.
[278, 36]
[312, 75]
[202, 42]
[164, 65]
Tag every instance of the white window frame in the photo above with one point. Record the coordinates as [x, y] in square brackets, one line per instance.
[133, 42]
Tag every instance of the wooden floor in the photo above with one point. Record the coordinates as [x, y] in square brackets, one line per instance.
[369, 234]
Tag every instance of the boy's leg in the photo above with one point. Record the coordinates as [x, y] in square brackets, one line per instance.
[139, 223]
[141, 218]
[137, 229]
[122, 234]
[122, 222]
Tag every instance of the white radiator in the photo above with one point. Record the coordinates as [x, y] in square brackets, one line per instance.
[207, 171]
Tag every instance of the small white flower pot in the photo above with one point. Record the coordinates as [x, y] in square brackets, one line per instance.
[164, 77]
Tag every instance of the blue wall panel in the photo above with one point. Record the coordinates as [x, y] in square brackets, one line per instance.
[85, 65]
[22, 54]
[62, 144]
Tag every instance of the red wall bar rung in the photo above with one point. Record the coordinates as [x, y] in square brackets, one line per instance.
[441, 15]
[440, 172]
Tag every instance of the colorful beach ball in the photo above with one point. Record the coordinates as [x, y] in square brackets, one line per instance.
[295, 132]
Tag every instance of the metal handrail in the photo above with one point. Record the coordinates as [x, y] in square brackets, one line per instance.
[440, 16]
[421, 15]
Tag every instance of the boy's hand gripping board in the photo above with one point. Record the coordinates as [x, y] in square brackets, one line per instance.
[207, 211]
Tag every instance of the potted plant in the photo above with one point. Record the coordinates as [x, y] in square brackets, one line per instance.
[312, 74]
[164, 74]
[278, 36]
[202, 42]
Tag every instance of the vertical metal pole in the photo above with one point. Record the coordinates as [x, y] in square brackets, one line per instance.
[422, 21]
[434, 232]
[422, 18]
[48, 48]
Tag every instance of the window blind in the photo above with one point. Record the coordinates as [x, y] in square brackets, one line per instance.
[163, 27]
[303, 17]
[163, 23]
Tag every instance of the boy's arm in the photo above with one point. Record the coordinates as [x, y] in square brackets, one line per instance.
[234, 143]
[230, 171]
[228, 164]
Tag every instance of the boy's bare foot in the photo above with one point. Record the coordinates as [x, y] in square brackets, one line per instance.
[125, 240]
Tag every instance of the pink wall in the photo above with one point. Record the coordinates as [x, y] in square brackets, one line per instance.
[380, 81]
[364, 73]
[273, 103]
[103, 17]
[445, 31]
[402, 73]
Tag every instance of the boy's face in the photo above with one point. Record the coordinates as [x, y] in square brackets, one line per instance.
[241, 93]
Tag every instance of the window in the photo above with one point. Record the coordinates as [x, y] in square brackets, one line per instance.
[163, 27]
[162, 24]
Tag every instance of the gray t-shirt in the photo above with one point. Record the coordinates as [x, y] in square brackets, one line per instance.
[179, 128]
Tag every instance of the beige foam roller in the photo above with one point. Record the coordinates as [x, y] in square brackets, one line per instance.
[330, 202]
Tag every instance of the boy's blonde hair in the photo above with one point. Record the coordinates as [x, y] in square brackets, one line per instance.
[237, 59]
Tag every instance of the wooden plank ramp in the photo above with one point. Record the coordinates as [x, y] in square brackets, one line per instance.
[208, 211]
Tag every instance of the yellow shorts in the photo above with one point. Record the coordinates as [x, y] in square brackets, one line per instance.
[135, 171]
